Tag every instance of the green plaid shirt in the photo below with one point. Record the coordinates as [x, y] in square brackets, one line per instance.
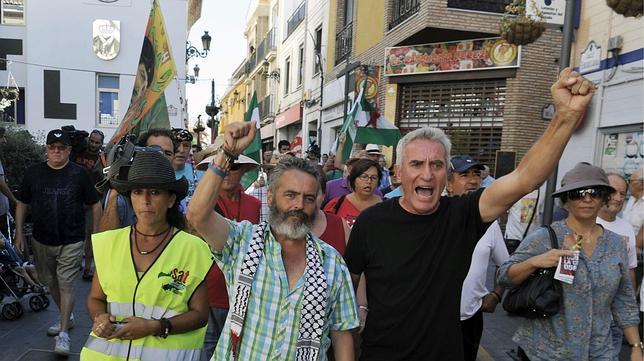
[273, 315]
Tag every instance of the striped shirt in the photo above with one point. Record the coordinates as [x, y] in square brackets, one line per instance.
[273, 315]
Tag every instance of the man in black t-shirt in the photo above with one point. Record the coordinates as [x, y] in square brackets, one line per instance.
[415, 250]
[58, 191]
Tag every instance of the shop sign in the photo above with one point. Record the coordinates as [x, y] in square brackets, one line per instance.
[553, 11]
[464, 55]
[591, 58]
[289, 116]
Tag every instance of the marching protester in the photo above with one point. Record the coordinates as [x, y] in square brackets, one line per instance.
[601, 288]
[238, 206]
[465, 177]
[289, 291]
[363, 179]
[148, 300]
[413, 302]
[58, 191]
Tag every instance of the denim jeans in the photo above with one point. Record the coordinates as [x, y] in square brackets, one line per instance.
[216, 320]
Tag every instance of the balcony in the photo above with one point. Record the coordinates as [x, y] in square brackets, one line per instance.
[295, 19]
[403, 10]
[490, 6]
[251, 63]
[266, 46]
[266, 108]
[343, 43]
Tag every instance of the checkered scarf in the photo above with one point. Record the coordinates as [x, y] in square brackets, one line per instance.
[313, 305]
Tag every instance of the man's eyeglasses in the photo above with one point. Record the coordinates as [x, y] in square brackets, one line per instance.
[368, 178]
[594, 193]
[60, 148]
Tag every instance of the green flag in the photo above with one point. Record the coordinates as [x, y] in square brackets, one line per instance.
[254, 150]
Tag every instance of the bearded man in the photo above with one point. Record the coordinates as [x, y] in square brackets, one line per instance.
[289, 291]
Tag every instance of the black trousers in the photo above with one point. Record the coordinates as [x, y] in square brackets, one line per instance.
[472, 329]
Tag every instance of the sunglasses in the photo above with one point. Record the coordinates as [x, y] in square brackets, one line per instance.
[60, 148]
[577, 194]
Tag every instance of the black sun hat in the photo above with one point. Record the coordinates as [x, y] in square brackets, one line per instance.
[583, 175]
[149, 170]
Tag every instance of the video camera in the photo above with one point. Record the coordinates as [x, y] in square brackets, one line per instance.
[78, 138]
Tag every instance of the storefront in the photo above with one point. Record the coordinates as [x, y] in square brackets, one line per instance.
[459, 87]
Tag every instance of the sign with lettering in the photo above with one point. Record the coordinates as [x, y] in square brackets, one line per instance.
[591, 58]
[464, 55]
[553, 11]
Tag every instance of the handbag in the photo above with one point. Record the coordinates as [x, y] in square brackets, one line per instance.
[539, 296]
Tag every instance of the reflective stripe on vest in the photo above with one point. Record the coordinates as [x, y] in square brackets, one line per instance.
[122, 310]
[137, 352]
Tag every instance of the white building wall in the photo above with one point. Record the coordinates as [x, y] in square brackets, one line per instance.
[59, 34]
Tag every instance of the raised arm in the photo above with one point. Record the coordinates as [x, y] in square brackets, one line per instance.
[201, 210]
[571, 95]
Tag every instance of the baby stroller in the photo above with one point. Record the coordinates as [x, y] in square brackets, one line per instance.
[14, 287]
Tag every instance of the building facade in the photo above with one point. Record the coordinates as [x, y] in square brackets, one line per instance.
[64, 80]
[609, 49]
[485, 107]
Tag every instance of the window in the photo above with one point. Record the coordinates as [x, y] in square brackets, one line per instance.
[13, 12]
[300, 66]
[287, 76]
[108, 100]
[348, 12]
[318, 50]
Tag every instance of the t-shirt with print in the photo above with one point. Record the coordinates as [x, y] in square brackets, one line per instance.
[414, 266]
[57, 198]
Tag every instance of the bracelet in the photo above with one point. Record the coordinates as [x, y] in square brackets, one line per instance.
[639, 345]
[497, 295]
[362, 307]
[166, 328]
[218, 171]
[232, 157]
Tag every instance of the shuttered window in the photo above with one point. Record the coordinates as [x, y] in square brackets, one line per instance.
[470, 112]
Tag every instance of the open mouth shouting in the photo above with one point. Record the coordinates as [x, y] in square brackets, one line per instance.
[424, 192]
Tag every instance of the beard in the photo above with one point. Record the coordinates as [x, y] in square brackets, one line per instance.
[281, 223]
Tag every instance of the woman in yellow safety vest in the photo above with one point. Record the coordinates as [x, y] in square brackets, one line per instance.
[148, 300]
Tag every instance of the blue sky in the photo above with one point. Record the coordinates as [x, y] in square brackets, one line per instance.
[225, 22]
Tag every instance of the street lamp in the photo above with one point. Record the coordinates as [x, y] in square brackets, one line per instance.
[193, 78]
[198, 129]
[192, 51]
[212, 110]
[275, 74]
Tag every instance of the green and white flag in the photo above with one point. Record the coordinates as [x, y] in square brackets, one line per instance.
[254, 150]
[365, 125]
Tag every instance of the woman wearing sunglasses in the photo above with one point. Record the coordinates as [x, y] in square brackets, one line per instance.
[601, 289]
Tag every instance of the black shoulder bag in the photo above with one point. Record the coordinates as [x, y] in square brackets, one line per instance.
[539, 296]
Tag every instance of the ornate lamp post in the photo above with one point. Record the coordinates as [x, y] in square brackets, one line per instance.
[198, 129]
[212, 110]
[192, 51]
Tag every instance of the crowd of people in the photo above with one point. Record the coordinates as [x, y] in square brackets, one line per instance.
[321, 259]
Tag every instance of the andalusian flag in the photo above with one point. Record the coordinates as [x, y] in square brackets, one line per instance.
[155, 70]
[254, 150]
[365, 125]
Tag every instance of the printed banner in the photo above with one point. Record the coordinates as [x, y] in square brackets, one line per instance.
[154, 72]
[480, 54]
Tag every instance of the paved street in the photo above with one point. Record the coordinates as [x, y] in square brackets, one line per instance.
[26, 340]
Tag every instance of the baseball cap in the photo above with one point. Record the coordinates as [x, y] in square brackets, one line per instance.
[58, 136]
[461, 163]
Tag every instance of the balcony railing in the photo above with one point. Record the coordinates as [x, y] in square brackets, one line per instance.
[266, 108]
[295, 19]
[251, 63]
[343, 42]
[403, 10]
[490, 6]
[265, 47]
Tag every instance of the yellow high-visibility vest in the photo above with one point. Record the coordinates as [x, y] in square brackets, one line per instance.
[164, 290]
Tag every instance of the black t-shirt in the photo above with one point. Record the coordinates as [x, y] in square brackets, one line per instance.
[57, 198]
[91, 162]
[415, 266]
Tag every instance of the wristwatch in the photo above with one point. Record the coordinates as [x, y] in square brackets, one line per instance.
[639, 345]
[166, 327]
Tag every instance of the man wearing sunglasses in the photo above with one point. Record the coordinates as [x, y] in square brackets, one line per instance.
[59, 191]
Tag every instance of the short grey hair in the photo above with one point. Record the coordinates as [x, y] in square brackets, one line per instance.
[425, 133]
[292, 163]
[617, 175]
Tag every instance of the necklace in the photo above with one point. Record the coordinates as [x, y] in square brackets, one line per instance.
[151, 235]
[143, 253]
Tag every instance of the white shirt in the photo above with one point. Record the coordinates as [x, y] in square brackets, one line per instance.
[491, 245]
[624, 229]
[520, 213]
[634, 212]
